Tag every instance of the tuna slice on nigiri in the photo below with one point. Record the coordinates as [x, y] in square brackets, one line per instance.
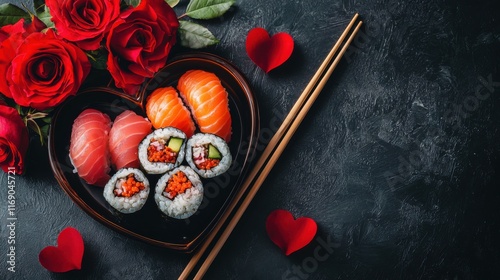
[208, 101]
[127, 132]
[165, 108]
[88, 149]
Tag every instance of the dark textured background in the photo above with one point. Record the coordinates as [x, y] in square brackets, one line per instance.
[397, 161]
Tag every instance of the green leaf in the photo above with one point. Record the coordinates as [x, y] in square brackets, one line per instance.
[42, 131]
[133, 3]
[10, 14]
[172, 3]
[42, 12]
[98, 58]
[208, 9]
[44, 135]
[195, 36]
[47, 120]
[37, 4]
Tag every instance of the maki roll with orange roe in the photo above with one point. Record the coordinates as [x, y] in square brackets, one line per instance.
[127, 191]
[208, 155]
[179, 193]
[162, 150]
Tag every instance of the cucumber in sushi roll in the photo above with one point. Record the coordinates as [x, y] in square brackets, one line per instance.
[179, 193]
[208, 155]
[162, 150]
[127, 191]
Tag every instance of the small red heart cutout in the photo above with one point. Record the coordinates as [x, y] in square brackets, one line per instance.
[268, 52]
[288, 233]
[67, 255]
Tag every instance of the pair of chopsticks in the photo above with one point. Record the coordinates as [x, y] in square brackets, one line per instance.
[271, 154]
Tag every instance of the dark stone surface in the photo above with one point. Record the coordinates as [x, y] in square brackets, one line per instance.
[398, 161]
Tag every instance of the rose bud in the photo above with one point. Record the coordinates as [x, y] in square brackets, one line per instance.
[14, 139]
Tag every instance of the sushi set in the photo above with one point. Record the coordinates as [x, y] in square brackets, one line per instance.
[161, 166]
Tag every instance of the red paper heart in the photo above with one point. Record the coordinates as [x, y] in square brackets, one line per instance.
[290, 234]
[67, 255]
[268, 52]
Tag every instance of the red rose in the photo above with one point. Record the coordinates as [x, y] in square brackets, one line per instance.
[83, 22]
[11, 37]
[46, 70]
[13, 139]
[139, 43]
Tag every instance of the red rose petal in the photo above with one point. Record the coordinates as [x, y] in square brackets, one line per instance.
[288, 233]
[268, 52]
[67, 255]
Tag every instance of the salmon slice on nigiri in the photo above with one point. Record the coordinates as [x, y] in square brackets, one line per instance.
[127, 132]
[208, 101]
[88, 149]
[165, 108]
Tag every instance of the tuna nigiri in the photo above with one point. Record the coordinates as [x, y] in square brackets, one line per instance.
[88, 150]
[127, 132]
[164, 108]
[208, 101]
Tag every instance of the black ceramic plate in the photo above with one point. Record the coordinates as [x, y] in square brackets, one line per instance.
[149, 224]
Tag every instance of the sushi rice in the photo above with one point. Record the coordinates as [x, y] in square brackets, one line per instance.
[196, 152]
[163, 134]
[122, 198]
[185, 202]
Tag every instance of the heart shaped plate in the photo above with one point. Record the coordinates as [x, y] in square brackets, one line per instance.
[149, 224]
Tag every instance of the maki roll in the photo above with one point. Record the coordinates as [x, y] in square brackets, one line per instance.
[179, 193]
[208, 155]
[127, 191]
[162, 150]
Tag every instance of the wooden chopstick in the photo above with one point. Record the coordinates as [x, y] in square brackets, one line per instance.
[271, 154]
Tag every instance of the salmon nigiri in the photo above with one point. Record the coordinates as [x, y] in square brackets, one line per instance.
[88, 149]
[164, 108]
[127, 132]
[208, 100]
